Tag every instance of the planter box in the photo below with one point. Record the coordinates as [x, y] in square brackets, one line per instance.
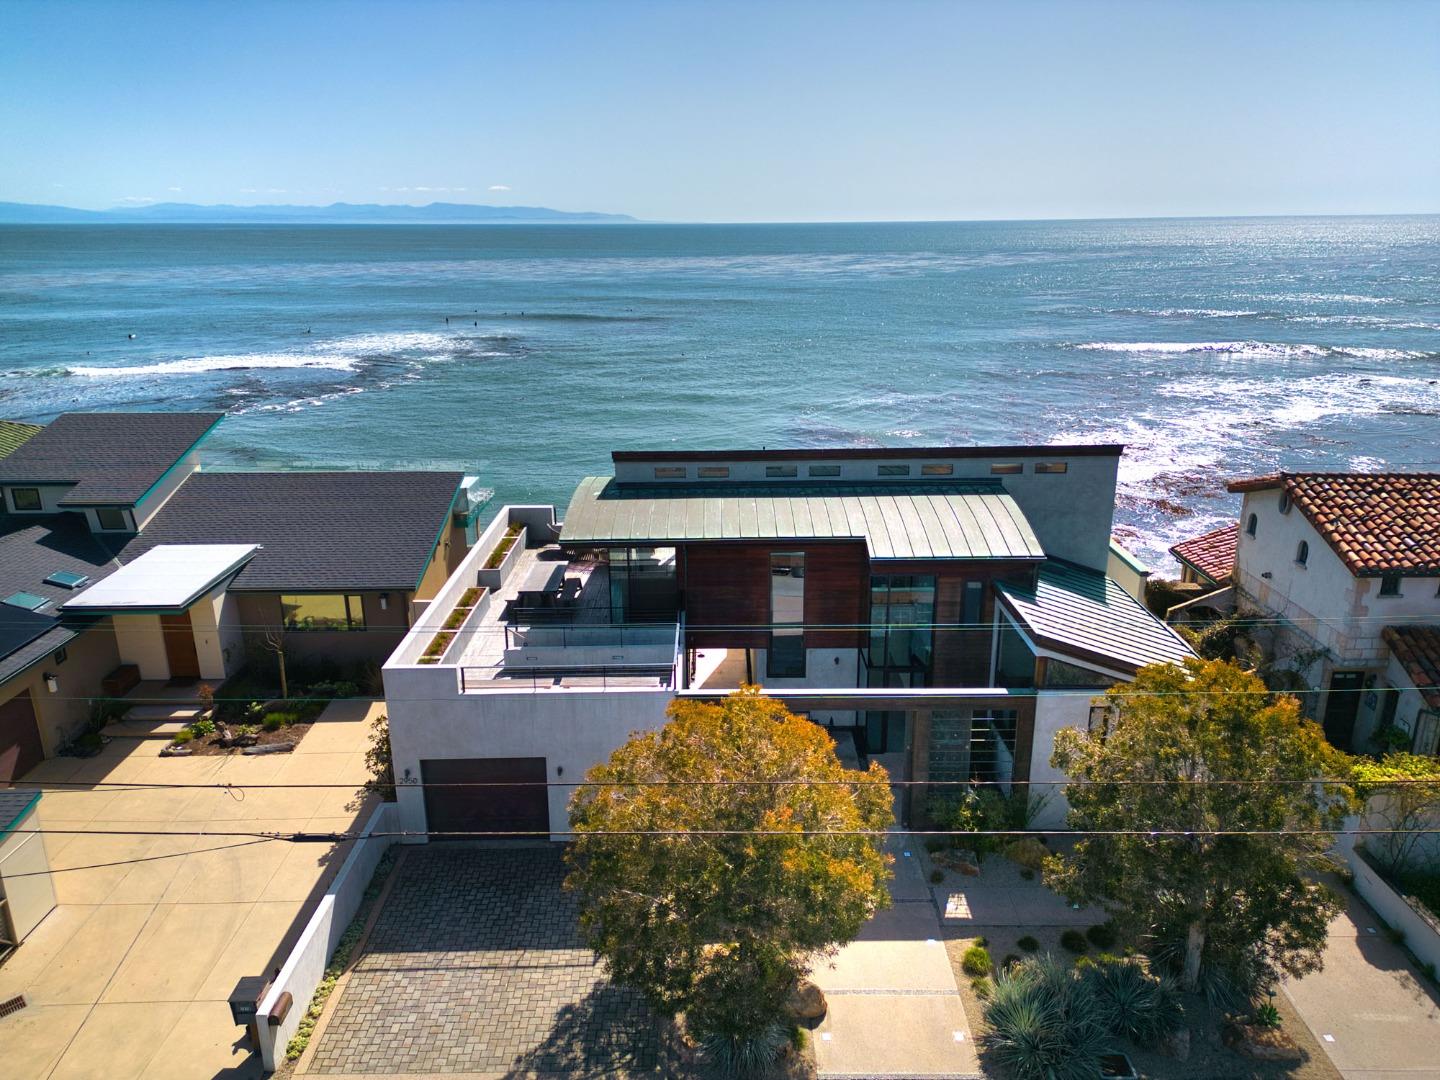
[495, 579]
[464, 632]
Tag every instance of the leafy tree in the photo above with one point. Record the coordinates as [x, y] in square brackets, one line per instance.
[1402, 794]
[721, 927]
[1235, 910]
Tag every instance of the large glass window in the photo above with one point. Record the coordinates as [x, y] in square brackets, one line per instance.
[787, 615]
[323, 611]
[26, 498]
[902, 634]
[642, 585]
[1016, 667]
[112, 519]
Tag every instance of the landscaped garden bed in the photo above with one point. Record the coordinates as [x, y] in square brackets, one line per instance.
[502, 549]
[246, 712]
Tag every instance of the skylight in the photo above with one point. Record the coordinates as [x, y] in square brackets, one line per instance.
[26, 601]
[67, 579]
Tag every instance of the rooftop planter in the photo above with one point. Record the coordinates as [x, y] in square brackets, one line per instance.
[473, 600]
[502, 558]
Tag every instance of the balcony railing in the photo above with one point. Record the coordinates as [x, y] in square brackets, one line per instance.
[581, 655]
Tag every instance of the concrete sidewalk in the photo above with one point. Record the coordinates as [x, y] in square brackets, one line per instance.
[1371, 1011]
[894, 1010]
[128, 977]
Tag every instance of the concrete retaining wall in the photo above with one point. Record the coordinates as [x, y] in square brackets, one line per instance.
[305, 966]
[1422, 932]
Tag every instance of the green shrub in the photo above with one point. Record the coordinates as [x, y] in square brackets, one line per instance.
[438, 644]
[1134, 1004]
[1028, 943]
[1102, 936]
[1010, 958]
[982, 986]
[976, 961]
[455, 618]
[1044, 1025]
[503, 547]
[742, 1056]
[202, 727]
[91, 740]
[981, 940]
[1073, 941]
[1266, 1016]
[273, 722]
[247, 729]
[470, 597]
[183, 736]
[937, 877]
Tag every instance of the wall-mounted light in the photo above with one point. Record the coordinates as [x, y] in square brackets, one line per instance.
[51, 683]
[384, 601]
[559, 770]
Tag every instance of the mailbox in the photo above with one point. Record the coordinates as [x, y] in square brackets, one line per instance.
[245, 999]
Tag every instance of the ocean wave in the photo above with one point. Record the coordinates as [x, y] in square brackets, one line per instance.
[1268, 350]
[201, 364]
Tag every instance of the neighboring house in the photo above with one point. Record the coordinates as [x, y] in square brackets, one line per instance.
[1342, 566]
[1127, 571]
[13, 434]
[1208, 560]
[944, 611]
[117, 555]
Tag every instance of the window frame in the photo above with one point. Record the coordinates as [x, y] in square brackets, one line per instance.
[1050, 468]
[1302, 553]
[1391, 584]
[15, 500]
[1252, 524]
[124, 525]
[713, 472]
[892, 470]
[823, 471]
[671, 472]
[1285, 502]
[1007, 468]
[782, 472]
[937, 469]
[353, 622]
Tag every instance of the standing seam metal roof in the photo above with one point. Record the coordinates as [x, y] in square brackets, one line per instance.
[950, 520]
[1072, 609]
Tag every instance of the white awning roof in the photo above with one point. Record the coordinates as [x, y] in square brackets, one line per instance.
[169, 577]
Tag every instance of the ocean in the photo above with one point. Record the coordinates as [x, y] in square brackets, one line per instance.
[1213, 348]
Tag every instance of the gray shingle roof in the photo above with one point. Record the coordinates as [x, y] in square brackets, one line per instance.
[108, 457]
[942, 520]
[31, 549]
[318, 531]
[13, 805]
[1085, 614]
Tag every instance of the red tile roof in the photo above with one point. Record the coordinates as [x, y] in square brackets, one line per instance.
[1212, 554]
[1377, 522]
[1418, 650]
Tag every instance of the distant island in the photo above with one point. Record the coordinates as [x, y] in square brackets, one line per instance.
[12, 213]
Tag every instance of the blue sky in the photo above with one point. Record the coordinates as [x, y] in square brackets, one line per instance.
[729, 111]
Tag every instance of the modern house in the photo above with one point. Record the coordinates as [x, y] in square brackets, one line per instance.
[121, 561]
[943, 611]
[1343, 569]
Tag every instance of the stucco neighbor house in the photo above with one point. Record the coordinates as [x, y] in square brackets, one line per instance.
[943, 611]
[121, 561]
[1344, 567]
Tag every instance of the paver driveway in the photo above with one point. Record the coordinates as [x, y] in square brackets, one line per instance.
[475, 965]
[129, 975]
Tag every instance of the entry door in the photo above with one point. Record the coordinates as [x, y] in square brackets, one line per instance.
[20, 746]
[1341, 705]
[491, 806]
[180, 651]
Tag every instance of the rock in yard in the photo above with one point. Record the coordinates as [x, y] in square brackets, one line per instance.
[806, 1002]
[270, 748]
[1177, 1045]
[1262, 1044]
[963, 862]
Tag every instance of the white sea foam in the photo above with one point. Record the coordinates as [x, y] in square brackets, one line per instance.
[1267, 350]
[241, 362]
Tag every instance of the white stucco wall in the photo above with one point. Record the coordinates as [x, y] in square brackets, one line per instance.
[210, 639]
[154, 499]
[140, 641]
[1323, 599]
[1054, 709]
[822, 672]
[571, 729]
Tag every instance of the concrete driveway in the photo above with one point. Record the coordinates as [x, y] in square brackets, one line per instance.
[129, 975]
[1370, 1010]
[894, 1009]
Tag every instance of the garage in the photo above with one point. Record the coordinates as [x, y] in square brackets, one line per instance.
[523, 807]
[20, 746]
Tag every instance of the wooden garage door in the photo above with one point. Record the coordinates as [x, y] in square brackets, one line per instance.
[486, 809]
[20, 747]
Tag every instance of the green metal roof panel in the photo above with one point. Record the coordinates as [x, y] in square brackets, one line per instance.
[1075, 609]
[937, 520]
